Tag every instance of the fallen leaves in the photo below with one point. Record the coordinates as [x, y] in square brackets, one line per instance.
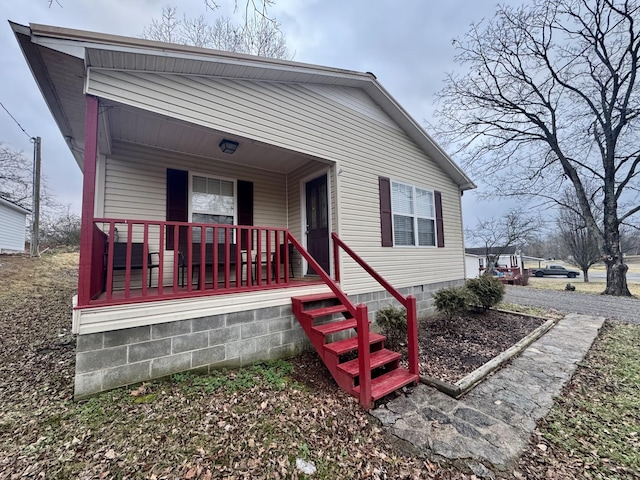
[192, 429]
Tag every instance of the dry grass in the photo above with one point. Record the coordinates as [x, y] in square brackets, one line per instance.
[595, 288]
[252, 423]
[592, 430]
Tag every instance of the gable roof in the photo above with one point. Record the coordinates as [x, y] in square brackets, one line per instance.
[483, 251]
[43, 45]
[14, 206]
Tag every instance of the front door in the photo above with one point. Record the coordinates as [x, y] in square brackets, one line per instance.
[318, 222]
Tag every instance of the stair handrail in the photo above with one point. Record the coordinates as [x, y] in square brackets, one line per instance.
[323, 275]
[386, 285]
[360, 313]
[408, 302]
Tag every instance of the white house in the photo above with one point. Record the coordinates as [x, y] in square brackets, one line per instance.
[13, 221]
[225, 194]
[476, 259]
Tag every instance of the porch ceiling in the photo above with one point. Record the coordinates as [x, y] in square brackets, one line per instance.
[129, 124]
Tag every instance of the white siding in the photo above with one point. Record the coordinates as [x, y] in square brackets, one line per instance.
[472, 266]
[298, 118]
[104, 319]
[12, 229]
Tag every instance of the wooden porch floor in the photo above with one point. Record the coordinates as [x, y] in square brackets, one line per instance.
[168, 293]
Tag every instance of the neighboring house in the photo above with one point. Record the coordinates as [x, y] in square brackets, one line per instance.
[13, 222]
[530, 260]
[473, 264]
[476, 259]
[217, 190]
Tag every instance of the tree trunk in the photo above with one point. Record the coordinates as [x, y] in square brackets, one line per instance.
[617, 278]
[585, 275]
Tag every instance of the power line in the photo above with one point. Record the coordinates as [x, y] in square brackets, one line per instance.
[14, 119]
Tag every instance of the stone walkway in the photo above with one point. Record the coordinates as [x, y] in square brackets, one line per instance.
[490, 426]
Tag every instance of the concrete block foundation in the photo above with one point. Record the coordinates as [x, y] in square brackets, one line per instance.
[123, 357]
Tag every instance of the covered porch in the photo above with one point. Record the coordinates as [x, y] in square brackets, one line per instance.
[169, 212]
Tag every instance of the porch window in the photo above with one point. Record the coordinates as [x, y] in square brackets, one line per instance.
[213, 200]
[414, 222]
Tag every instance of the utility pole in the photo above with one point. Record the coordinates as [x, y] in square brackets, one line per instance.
[35, 224]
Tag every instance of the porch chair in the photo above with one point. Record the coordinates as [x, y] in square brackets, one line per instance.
[119, 261]
[196, 260]
[274, 267]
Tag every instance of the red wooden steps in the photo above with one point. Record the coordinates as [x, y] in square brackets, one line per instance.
[349, 344]
[378, 359]
[389, 382]
[347, 374]
[315, 297]
[335, 327]
[323, 312]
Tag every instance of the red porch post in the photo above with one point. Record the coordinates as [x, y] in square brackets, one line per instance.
[88, 199]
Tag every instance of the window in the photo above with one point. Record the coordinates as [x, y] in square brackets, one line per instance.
[212, 201]
[413, 211]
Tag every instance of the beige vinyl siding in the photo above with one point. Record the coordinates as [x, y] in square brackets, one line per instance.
[291, 116]
[297, 118]
[135, 189]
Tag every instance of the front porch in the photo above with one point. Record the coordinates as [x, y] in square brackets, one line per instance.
[167, 219]
[140, 261]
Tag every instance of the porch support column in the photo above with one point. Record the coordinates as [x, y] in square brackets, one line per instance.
[88, 198]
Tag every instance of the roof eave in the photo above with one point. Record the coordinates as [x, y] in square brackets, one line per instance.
[366, 80]
[14, 206]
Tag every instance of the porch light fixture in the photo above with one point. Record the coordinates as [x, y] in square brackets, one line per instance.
[228, 146]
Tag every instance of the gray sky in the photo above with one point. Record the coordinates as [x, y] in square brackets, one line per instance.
[406, 44]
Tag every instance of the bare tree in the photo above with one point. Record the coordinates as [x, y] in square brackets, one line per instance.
[551, 99]
[260, 8]
[497, 234]
[630, 239]
[257, 35]
[574, 236]
[15, 176]
[59, 226]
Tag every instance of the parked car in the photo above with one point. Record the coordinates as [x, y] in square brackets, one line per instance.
[553, 270]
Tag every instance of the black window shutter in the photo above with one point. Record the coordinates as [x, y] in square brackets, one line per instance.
[439, 223]
[245, 208]
[384, 186]
[177, 203]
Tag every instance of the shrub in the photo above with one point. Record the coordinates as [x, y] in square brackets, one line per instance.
[570, 288]
[451, 301]
[487, 291]
[393, 324]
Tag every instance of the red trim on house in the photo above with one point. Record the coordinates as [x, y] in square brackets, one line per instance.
[88, 200]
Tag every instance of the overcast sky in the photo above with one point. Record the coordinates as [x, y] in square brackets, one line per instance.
[406, 44]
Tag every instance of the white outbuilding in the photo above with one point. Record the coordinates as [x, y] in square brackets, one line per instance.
[13, 219]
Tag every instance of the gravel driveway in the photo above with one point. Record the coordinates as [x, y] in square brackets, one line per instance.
[619, 308]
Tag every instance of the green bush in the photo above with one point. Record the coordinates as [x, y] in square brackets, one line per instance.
[487, 291]
[393, 325]
[451, 301]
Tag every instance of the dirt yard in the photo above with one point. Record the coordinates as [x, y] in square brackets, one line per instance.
[251, 423]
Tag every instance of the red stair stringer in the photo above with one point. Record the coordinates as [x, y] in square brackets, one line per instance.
[387, 375]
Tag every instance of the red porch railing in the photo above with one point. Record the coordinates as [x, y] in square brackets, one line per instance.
[138, 260]
[408, 302]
